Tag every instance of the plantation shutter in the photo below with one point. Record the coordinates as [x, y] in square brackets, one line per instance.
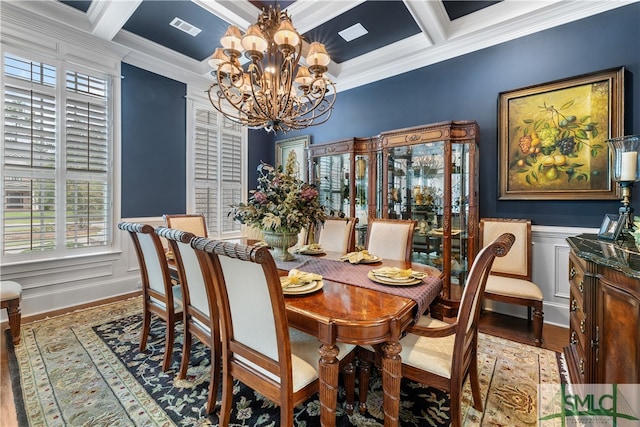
[87, 161]
[206, 168]
[56, 182]
[29, 186]
[217, 170]
[231, 172]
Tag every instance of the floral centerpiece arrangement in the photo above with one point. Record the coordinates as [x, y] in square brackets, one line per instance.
[282, 204]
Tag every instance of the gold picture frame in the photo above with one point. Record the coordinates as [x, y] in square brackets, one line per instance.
[552, 138]
[299, 145]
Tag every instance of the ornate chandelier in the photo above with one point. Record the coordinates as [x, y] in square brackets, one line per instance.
[267, 95]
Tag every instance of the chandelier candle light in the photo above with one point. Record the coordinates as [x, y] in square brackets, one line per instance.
[267, 95]
[626, 171]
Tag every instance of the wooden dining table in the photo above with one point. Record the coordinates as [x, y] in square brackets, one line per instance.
[351, 308]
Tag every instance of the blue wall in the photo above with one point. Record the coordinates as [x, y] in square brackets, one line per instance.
[467, 88]
[154, 145]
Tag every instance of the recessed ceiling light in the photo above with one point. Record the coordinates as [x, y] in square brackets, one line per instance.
[185, 26]
[353, 32]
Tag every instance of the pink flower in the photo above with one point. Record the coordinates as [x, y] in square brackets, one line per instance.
[308, 194]
[260, 197]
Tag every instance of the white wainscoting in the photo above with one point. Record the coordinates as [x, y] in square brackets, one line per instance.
[550, 273]
[58, 284]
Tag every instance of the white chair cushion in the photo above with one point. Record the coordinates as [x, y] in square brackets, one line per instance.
[513, 287]
[429, 354]
[10, 290]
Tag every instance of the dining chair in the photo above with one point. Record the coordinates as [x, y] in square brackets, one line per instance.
[193, 223]
[443, 354]
[10, 297]
[338, 234]
[258, 347]
[200, 310]
[391, 238]
[510, 279]
[160, 296]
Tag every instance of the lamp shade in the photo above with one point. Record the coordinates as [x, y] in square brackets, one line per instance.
[286, 34]
[625, 161]
[254, 40]
[317, 55]
[232, 39]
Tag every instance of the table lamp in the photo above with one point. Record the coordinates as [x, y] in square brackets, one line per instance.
[625, 170]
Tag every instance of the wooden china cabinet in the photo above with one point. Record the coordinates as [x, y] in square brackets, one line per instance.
[341, 172]
[428, 173]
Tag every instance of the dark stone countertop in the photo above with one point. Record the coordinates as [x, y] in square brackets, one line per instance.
[622, 256]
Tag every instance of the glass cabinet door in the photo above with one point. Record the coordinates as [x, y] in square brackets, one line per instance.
[429, 174]
[331, 176]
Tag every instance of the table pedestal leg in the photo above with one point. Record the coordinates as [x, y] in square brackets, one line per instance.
[391, 376]
[328, 377]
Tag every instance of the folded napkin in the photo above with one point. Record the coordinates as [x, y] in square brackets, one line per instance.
[261, 243]
[298, 278]
[356, 257]
[397, 273]
[313, 247]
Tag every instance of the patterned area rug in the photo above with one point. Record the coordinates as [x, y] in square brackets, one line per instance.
[84, 369]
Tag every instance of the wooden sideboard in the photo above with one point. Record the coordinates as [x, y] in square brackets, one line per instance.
[604, 278]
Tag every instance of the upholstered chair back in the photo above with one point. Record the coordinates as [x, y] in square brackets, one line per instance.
[391, 238]
[193, 223]
[338, 234]
[517, 261]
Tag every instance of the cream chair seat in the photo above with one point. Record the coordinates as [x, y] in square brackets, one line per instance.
[338, 234]
[391, 238]
[510, 279]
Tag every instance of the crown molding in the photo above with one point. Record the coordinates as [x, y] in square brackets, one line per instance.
[412, 53]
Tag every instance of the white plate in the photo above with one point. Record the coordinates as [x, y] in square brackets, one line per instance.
[305, 289]
[396, 282]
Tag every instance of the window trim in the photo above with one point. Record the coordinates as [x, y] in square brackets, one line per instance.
[111, 74]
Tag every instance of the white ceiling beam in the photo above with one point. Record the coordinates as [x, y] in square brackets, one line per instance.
[432, 19]
[108, 17]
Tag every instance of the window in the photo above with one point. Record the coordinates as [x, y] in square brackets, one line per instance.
[56, 155]
[218, 168]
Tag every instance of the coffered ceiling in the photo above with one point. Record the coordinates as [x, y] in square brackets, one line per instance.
[401, 35]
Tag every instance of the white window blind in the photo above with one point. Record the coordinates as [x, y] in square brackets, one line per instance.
[57, 182]
[218, 169]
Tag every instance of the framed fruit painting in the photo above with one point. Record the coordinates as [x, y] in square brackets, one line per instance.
[552, 138]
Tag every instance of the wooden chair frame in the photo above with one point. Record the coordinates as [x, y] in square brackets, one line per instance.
[162, 304]
[464, 362]
[198, 320]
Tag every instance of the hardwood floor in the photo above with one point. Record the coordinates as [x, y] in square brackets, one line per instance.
[554, 338]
